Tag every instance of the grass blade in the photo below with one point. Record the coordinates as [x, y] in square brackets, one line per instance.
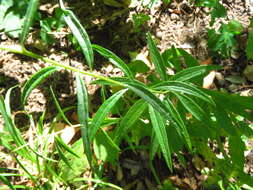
[35, 80]
[61, 112]
[63, 145]
[80, 34]
[161, 134]
[83, 116]
[14, 132]
[62, 156]
[7, 182]
[104, 109]
[129, 119]
[30, 13]
[156, 58]
[193, 73]
[118, 62]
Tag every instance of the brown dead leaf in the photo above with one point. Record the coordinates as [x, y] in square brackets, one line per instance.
[209, 61]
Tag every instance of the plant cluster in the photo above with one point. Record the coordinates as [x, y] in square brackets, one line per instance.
[174, 112]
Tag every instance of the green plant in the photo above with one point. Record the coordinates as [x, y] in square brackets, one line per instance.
[224, 41]
[173, 111]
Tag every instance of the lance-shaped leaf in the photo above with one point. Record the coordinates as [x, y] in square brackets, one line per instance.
[80, 34]
[185, 88]
[145, 94]
[58, 107]
[30, 13]
[193, 108]
[156, 58]
[35, 80]
[180, 125]
[83, 116]
[118, 62]
[159, 127]
[103, 111]
[193, 73]
[132, 115]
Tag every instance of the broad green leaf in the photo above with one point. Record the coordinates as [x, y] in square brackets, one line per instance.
[59, 109]
[35, 80]
[4, 6]
[129, 119]
[80, 34]
[118, 62]
[193, 73]
[79, 164]
[104, 148]
[103, 110]
[30, 13]
[156, 58]
[180, 125]
[161, 134]
[184, 88]
[83, 116]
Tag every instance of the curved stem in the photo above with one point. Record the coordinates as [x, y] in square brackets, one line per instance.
[23, 51]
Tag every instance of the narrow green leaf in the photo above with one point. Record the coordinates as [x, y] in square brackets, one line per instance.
[103, 110]
[233, 103]
[118, 62]
[180, 127]
[7, 100]
[236, 151]
[223, 120]
[35, 80]
[30, 13]
[193, 108]
[14, 132]
[193, 73]
[7, 182]
[63, 145]
[129, 119]
[161, 134]
[83, 116]
[145, 94]
[185, 88]
[80, 34]
[61, 112]
[62, 156]
[156, 58]
[190, 61]
[249, 47]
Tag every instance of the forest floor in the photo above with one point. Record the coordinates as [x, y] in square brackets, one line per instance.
[179, 24]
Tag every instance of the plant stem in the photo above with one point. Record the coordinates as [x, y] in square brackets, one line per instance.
[23, 51]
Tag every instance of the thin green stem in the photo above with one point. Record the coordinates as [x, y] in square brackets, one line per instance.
[23, 51]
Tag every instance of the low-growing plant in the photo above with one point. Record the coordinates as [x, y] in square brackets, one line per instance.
[173, 111]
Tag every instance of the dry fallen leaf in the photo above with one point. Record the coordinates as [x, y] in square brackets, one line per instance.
[208, 80]
[209, 61]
